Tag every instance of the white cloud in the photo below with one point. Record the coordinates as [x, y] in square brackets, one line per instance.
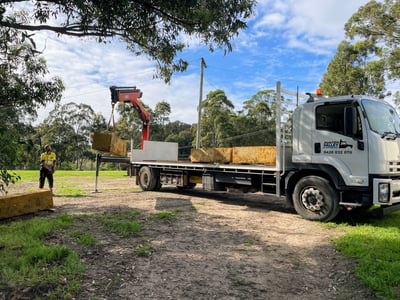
[312, 25]
[279, 32]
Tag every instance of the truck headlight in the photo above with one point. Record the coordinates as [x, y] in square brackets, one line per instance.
[383, 192]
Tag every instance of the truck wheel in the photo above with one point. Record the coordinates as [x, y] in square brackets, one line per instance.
[315, 199]
[147, 179]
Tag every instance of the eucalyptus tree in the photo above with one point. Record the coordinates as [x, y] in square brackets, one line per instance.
[129, 126]
[353, 71]
[68, 128]
[377, 23]
[255, 124]
[153, 28]
[217, 110]
[159, 118]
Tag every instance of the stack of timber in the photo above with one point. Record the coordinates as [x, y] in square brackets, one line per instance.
[212, 155]
[109, 142]
[236, 155]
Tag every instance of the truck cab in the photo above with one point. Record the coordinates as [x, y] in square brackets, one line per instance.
[352, 142]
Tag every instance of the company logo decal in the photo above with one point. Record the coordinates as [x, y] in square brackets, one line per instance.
[337, 147]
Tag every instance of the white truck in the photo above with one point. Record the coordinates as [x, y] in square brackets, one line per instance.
[344, 153]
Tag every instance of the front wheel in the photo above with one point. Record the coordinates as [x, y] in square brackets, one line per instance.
[315, 199]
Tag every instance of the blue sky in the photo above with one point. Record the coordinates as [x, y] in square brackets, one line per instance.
[291, 41]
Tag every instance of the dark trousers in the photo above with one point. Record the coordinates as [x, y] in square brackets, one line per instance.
[45, 173]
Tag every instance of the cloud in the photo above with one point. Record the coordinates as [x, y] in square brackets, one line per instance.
[289, 40]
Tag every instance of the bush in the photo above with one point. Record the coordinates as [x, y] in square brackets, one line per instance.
[6, 178]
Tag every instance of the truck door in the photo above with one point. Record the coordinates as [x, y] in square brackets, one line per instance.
[347, 152]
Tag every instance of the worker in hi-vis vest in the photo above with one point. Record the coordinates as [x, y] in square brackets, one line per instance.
[48, 161]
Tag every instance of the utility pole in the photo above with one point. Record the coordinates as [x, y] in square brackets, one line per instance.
[202, 66]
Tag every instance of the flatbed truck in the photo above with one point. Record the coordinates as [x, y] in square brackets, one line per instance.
[344, 153]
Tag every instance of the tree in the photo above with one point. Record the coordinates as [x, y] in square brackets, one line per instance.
[353, 71]
[68, 128]
[378, 23]
[129, 126]
[255, 125]
[162, 112]
[153, 28]
[24, 87]
[216, 112]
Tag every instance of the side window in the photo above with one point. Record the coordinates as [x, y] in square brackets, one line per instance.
[330, 117]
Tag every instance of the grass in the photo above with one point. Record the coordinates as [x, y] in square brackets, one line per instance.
[168, 215]
[123, 224]
[375, 243]
[144, 250]
[33, 175]
[84, 238]
[68, 183]
[28, 261]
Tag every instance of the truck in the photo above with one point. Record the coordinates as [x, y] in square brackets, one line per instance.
[344, 153]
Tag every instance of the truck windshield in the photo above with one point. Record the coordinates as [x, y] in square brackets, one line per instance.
[382, 118]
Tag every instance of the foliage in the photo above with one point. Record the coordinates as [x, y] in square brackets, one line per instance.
[162, 112]
[154, 29]
[24, 87]
[353, 71]
[130, 125]
[370, 54]
[216, 112]
[255, 124]
[7, 177]
[68, 129]
[377, 23]
[24, 84]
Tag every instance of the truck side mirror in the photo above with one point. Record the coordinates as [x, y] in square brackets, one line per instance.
[350, 124]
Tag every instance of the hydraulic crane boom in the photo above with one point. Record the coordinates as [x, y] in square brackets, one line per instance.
[132, 95]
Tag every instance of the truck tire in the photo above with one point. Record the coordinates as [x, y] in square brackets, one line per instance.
[315, 199]
[147, 179]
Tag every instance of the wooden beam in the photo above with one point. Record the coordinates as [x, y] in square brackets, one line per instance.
[25, 203]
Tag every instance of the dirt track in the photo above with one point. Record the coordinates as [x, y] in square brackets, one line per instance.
[219, 247]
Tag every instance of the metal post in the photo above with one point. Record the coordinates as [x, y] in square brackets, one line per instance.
[98, 162]
[202, 66]
[278, 138]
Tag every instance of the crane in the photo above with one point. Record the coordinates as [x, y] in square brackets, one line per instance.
[132, 95]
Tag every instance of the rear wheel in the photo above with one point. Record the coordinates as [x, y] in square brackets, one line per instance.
[147, 179]
[315, 199]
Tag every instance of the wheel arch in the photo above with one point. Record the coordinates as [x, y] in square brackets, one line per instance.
[324, 171]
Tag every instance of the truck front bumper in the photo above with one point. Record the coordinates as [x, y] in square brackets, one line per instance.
[386, 209]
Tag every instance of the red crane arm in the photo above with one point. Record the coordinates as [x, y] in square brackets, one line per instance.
[132, 95]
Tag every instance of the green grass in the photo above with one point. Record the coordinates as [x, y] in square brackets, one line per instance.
[169, 215]
[123, 224]
[376, 245]
[27, 261]
[33, 175]
[144, 250]
[84, 238]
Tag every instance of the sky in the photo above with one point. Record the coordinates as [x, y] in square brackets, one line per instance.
[291, 41]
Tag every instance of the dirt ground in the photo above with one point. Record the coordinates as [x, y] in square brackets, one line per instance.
[236, 246]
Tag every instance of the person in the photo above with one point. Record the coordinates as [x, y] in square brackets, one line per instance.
[48, 161]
